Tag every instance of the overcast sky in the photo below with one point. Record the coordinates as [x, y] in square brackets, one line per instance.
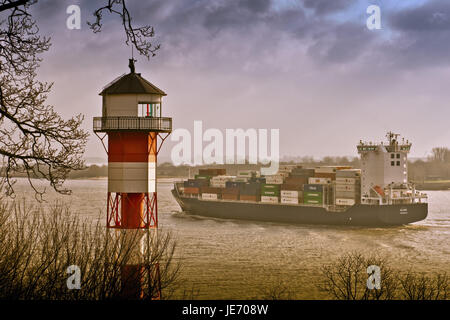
[310, 68]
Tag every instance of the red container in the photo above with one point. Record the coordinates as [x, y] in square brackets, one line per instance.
[246, 197]
[210, 190]
[230, 191]
[191, 190]
[291, 187]
[299, 181]
[228, 196]
[332, 176]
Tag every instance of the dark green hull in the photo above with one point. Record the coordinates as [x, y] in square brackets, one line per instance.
[357, 215]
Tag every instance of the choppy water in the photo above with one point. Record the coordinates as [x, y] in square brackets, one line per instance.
[228, 259]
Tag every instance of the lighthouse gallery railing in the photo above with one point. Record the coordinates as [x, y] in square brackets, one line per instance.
[132, 123]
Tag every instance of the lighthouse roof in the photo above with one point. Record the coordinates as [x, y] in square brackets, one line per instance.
[131, 83]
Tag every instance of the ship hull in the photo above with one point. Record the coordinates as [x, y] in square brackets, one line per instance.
[357, 215]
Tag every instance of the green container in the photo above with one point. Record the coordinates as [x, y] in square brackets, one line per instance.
[270, 193]
[199, 176]
[312, 201]
[270, 187]
[313, 195]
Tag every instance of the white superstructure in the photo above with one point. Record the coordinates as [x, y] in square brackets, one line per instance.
[384, 172]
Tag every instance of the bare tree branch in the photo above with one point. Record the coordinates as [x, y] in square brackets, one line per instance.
[138, 37]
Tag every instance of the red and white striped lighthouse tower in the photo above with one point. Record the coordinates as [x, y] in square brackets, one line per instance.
[132, 120]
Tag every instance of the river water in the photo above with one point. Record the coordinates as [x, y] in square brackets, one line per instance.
[229, 259]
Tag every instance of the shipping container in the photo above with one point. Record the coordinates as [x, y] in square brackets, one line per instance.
[246, 197]
[304, 172]
[230, 196]
[331, 176]
[313, 201]
[347, 180]
[234, 184]
[212, 172]
[246, 173]
[314, 180]
[347, 194]
[199, 176]
[300, 181]
[288, 200]
[292, 187]
[347, 187]
[348, 173]
[313, 195]
[345, 202]
[196, 183]
[210, 190]
[274, 179]
[191, 190]
[268, 199]
[289, 193]
[210, 196]
[325, 169]
[218, 184]
[230, 191]
[240, 179]
[313, 187]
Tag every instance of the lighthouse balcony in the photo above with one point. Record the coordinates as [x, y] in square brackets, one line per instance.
[154, 124]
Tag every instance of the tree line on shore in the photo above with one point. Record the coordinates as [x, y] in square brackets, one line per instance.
[434, 167]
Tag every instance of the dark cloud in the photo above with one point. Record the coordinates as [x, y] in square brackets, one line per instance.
[421, 36]
[430, 17]
[326, 6]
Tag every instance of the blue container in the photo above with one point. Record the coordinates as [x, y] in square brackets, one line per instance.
[313, 187]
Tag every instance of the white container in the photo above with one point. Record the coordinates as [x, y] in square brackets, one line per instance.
[347, 181]
[345, 202]
[221, 178]
[218, 184]
[275, 179]
[289, 200]
[346, 187]
[289, 194]
[209, 196]
[325, 169]
[313, 180]
[245, 173]
[286, 167]
[284, 174]
[267, 199]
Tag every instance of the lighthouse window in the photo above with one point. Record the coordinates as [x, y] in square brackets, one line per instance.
[398, 155]
[149, 109]
[398, 163]
[392, 156]
[392, 163]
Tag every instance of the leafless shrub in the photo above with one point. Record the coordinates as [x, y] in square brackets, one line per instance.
[37, 246]
[346, 279]
[423, 287]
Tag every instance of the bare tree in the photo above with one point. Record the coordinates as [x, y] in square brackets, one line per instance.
[440, 154]
[423, 287]
[34, 140]
[346, 279]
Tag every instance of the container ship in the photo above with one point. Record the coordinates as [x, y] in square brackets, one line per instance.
[376, 195]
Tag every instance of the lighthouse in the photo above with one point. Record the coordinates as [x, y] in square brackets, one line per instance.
[133, 123]
[135, 129]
